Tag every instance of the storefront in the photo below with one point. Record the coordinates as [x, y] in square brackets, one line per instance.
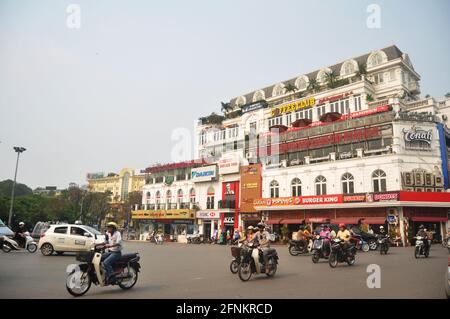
[401, 212]
[169, 222]
[208, 222]
[250, 219]
[228, 222]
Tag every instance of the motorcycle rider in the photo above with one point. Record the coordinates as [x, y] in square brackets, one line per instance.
[344, 235]
[325, 234]
[262, 237]
[422, 233]
[19, 235]
[115, 250]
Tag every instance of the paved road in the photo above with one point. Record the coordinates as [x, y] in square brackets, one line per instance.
[201, 271]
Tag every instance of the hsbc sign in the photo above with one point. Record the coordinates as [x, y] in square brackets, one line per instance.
[208, 215]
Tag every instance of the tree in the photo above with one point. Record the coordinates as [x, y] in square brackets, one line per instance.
[19, 190]
[331, 79]
[362, 70]
[313, 86]
[291, 88]
[97, 205]
[447, 95]
[226, 107]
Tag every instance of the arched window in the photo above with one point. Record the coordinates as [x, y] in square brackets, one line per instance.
[259, 96]
[296, 186]
[169, 197]
[379, 181]
[348, 67]
[322, 75]
[347, 183]
[158, 200]
[321, 185]
[240, 101]
[210, 198]
[192, 195]
[301, 83]
[274, 189]
[148, 195]
[376, 58]
[278, 90]
[180, 196]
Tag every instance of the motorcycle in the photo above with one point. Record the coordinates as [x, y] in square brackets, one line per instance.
[383, 243]
[195, 239]
[339, 254]
[252, 262]
[420, 249]
[321, 248]
[360, 243]
[236, 254]
[158, 239]
[300, 247]
[10, 244]
[91, 270]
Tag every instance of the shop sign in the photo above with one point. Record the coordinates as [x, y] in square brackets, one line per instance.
[229, 165]
[416, 138]
[203, 174]
[382, 197]
[294, 106]
[208, 215]
[335, 97]
[228, 220]
[253, 107]
[354, 198]
[250, 186]
[323, 199]
[163, 214]
[392, 219]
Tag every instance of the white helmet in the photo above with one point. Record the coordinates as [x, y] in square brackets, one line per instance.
[381, 227]
[21, 223]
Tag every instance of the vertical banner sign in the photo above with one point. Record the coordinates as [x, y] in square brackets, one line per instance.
[443, 149]
[251, 187]
[230, 192]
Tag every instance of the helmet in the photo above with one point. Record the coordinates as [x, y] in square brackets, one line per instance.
[112, 224]
[21, 223]
[341, 225]
[261, 225]
[250, 227]
[381, 227]
[421, 227]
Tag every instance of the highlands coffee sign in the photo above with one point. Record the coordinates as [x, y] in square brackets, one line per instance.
[416, 138]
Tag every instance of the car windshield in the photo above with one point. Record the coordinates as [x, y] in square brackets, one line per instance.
[92, 230]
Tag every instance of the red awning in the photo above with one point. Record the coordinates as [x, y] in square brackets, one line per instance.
[375, 220]
[273, 221]
[345, 220]
[316, 220]
[291, 221]
[429, 219]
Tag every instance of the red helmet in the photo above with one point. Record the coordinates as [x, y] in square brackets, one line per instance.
[341, 225]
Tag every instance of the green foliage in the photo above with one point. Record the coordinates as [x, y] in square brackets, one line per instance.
[19, 190]
[214, 119]
[313, 86]
[370, 98]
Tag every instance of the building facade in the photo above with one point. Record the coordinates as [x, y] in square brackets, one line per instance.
[348, 141]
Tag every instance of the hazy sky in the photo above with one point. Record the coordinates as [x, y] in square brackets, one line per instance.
[109, 94]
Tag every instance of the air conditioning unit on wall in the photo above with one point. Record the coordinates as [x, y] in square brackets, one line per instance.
[408, 179]
[439, 181]
[419, 179]
[429, 179]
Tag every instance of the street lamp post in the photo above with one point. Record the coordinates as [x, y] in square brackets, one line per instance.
[18, 150]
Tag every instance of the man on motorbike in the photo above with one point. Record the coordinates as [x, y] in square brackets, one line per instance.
[262, 237]
[19, 235]
[344, 235]
[115, 250]
[325, 234]
[423, 233]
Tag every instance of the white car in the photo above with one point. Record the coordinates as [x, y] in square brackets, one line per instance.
[63, 238]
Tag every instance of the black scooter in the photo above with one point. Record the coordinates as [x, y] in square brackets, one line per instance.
[341, 254]
[321, 248]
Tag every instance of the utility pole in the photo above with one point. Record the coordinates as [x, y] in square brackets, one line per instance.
[18, 150]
